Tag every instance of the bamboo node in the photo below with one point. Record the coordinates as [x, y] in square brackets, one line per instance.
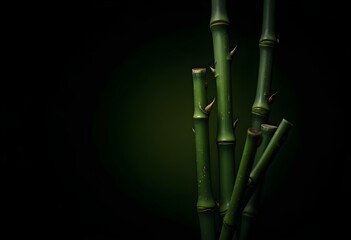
[219, 22]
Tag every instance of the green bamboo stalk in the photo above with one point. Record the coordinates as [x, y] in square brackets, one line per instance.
[260, 108]
[267, 43]
[205, 203]
[231, 218]
[267, 158]
[225, 131]
[250, 211]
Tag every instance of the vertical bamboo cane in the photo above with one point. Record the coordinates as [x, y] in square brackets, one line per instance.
[225, 132]
[205, 202]
[230, 221]
[260, 108]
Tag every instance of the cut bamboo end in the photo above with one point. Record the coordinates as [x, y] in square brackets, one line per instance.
[254, 132]
[268, 128]
[199, 70]
[271, 150]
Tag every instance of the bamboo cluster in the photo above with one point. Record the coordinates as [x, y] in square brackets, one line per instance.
[240, 189]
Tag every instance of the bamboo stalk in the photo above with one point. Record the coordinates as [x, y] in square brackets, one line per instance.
[260, 108]
[251, 209]
[205, 202]
[231, 218]
[225, 132]
[267, 43]
[267, 157]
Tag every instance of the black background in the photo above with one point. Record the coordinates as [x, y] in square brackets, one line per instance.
[49, 47]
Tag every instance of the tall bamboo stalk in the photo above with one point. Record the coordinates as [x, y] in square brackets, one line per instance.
[250, 211]
[231, 218]
[260, 108]
[205, 202]
[225, 132]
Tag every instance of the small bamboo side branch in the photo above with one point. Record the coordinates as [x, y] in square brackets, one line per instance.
[231, 218]
[225, 134]
[205, 202]
[250, 211]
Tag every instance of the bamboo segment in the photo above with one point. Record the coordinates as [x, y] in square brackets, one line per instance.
[260, 108]
[272, 149]
[268, 41]
[205, 202]
[231, 218]
[266, 159]
[250, 211]
[225, 133]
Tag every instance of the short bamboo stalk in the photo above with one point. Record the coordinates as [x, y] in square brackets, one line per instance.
[267, 158]
[250, 211]
[205, 203]
[231, 218]
[225, 132]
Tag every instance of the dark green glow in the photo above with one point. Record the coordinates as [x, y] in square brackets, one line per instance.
[144, 131]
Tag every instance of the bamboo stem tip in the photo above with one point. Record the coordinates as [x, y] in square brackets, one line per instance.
[268, 127]
[254, 132]
[199, 70]
[284, 121]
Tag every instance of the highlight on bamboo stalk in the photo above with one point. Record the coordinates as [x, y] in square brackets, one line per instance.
[206, 204]
[219, 23]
